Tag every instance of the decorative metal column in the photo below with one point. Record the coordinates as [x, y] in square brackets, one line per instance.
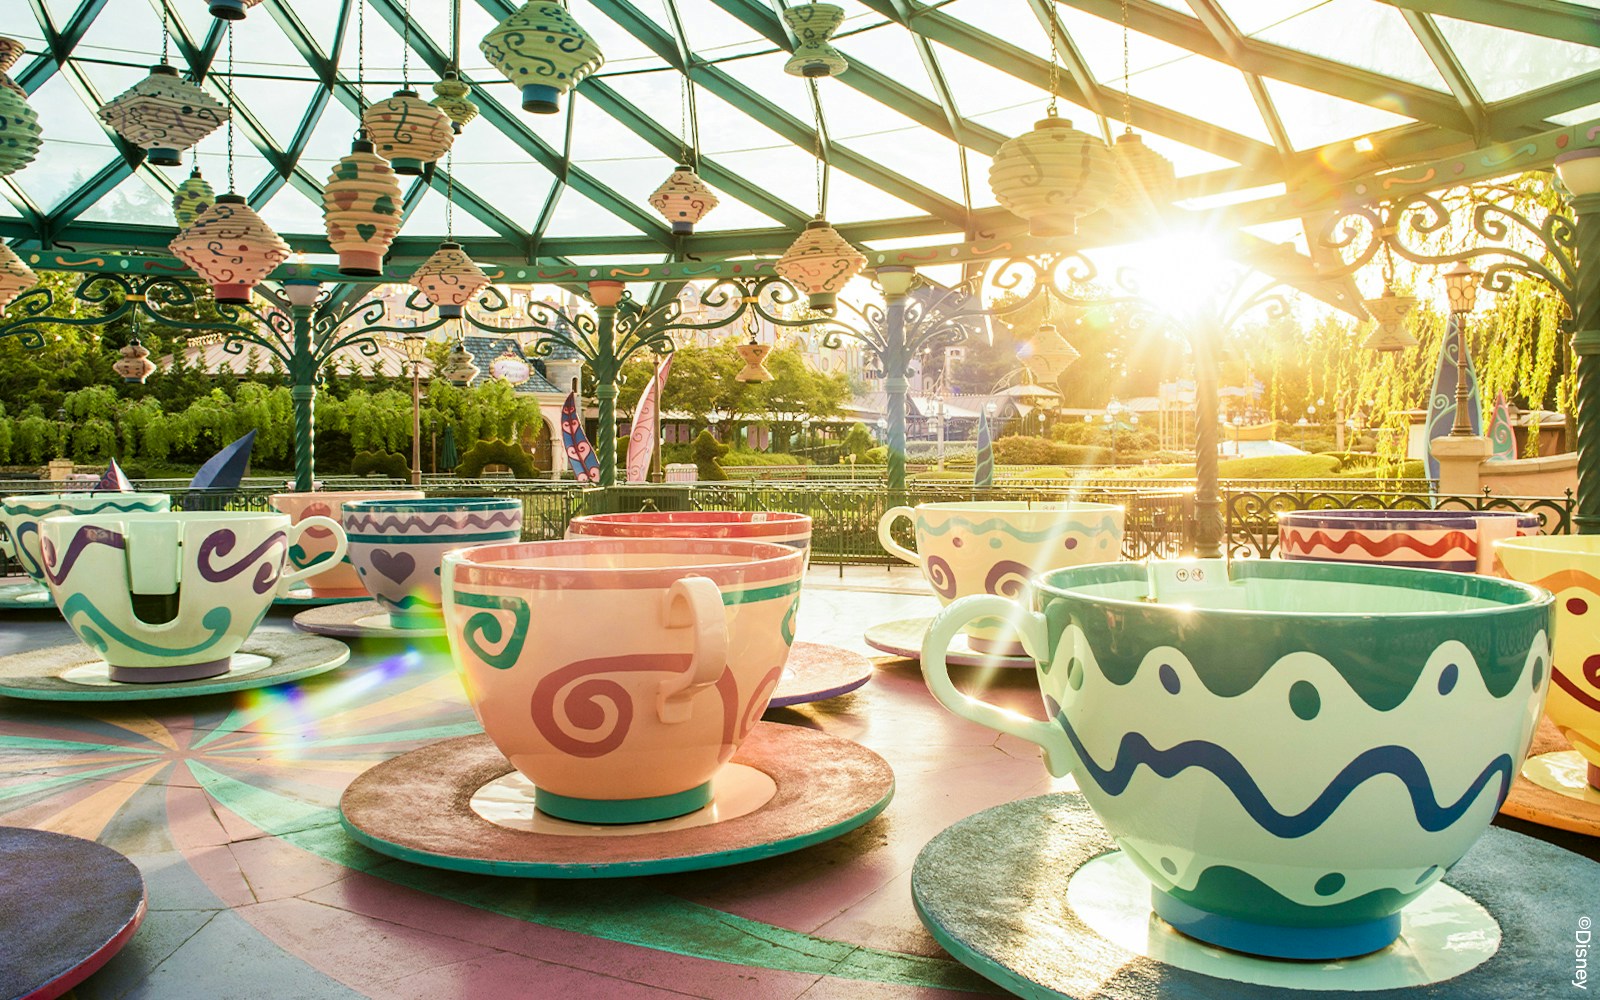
[895, 360]
[416, 347]
[1208, 528]
[1585, 302]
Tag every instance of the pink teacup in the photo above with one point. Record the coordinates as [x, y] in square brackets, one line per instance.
[315, 543]
[619, 675]
[781, 527]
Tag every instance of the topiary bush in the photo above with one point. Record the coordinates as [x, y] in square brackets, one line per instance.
[1018, 450]
[705, 450]
[381, 463]
[495, 452]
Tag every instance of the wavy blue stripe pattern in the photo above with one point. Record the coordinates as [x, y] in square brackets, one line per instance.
[217, 620]
[1431, 814]
[1108, 524]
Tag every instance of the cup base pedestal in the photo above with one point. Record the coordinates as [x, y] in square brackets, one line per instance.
[904, 638]
[412, 621]
[621, 812]
[1250, 938]
[170, 675]
[366, 620]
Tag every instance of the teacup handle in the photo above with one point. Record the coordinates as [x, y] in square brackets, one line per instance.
[287, 581]
[694, 602]
[1032, 629]
[894, 548]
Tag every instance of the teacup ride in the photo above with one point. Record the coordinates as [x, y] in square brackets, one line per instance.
[67, 906]
[1285, 759]
[620, 683]
[1459, 540]
[167, 604]
[814, 671]
[21, 515]
[397, 547]
[1559, 784]
[336, 580]
[991, 547]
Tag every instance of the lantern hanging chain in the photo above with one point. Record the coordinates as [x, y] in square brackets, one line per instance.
[166, 32]
[1127, 92]
[1050, 110]
[405, 46]
[450, 196]
[819, 152]
[361, 57]
[455, 35]
[230, 107]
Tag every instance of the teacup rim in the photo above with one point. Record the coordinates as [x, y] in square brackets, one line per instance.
[185, 516]
[426, 503]
[1437, 581]
[82, 494]
[364, 494]
[1565, 544]
[1398, 516]
[782, 518]
[767, 555]
[1006, 506]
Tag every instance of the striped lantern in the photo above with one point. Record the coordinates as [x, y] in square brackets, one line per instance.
[231, 247]
[231, 10]
[1146, 179]
[458, 367]
[683, 199]
[163, 114]
[10, 51]
[449, 279]
[134, 365]
[452, 99]
[15, 277]
[191, 199]
[813, 24]
[820, 263]
[20, 134]
[361, 210]
[1048, 354]
[1053, 176]
[408, 132]
[755, 363]
[543, 50]
[1390, 310]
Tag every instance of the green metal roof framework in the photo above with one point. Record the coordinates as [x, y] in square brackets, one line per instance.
[1285, 110]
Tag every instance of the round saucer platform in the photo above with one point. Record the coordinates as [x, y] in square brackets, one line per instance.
[364, 620]
[815, 673]
[460, 805]
[25, 595]
[66, 906]
[1553, 788]
[904, 638]
[301, 597]
[1034, 896]
[74, 673]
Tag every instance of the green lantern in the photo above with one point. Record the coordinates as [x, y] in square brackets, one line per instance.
[543, 50]
[191, 199]
[19, 132]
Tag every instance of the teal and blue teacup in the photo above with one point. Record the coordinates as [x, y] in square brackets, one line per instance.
[1289, 751]
[172, 596]
[22, 515]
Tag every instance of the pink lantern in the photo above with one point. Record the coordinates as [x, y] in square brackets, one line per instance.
[449, 279]
[15, 277]
[231, 247]
[820, 263]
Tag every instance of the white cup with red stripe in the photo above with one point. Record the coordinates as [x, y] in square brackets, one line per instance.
[780, 527]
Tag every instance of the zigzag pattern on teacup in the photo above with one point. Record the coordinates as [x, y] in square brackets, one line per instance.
[426, 521]
[1068, 525]
[57, 571]
[1428, 544]
[1359, 783]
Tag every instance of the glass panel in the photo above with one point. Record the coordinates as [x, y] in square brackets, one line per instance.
[125, 33]
[321, 21]
[1312, 118]
[1251, 16]
[713, 33]
[898, 143]
[135, 201]
[330, 140]
[6, 211]
[428, 218]
[978, 170]
[1578, 116]
[851, 199]
[624, 53]
[657, 95]
[1504, 64]
[507, 99]
[489, 163]
[75, 145]
[279, 105]
[291, 213]
[576, 215]
[1384, 43]
[891, 50]
[765, 76]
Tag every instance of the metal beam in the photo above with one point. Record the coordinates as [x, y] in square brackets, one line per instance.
[1567, 22]
[1226, 34]
[1455, 75]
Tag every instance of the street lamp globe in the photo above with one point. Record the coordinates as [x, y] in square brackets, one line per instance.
[1461, 285]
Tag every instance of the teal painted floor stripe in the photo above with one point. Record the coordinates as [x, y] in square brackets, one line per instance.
[627, 913]
[33, 743]
[17, 791]
[397, 736]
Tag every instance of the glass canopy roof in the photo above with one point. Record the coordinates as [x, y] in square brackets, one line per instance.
[1244, 96]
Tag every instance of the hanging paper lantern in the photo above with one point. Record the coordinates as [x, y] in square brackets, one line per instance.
[134, 365]
[449, 279]
[544, 51]
[191, 199]
[813, 24]
[1053, 176]
[231, 247]
[820, 263]
[15, 277]
[452, 100]
[361, 210]
[407, 131]
[1145, 177]
[19, 132]
[458, 367]
[684, 199]
[163, 114]
[231, 10]
[755, 368]
[1390, 310]
[10, 51]
[1048, 354]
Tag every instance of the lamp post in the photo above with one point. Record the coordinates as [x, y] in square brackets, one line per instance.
[1580, 173]
[657, 472]
[1461, 285]
[416, 346]
[1113, 411]
[895, 358]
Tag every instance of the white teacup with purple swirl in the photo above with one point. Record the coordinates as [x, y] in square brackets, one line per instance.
[995, 546]
[171, 597]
